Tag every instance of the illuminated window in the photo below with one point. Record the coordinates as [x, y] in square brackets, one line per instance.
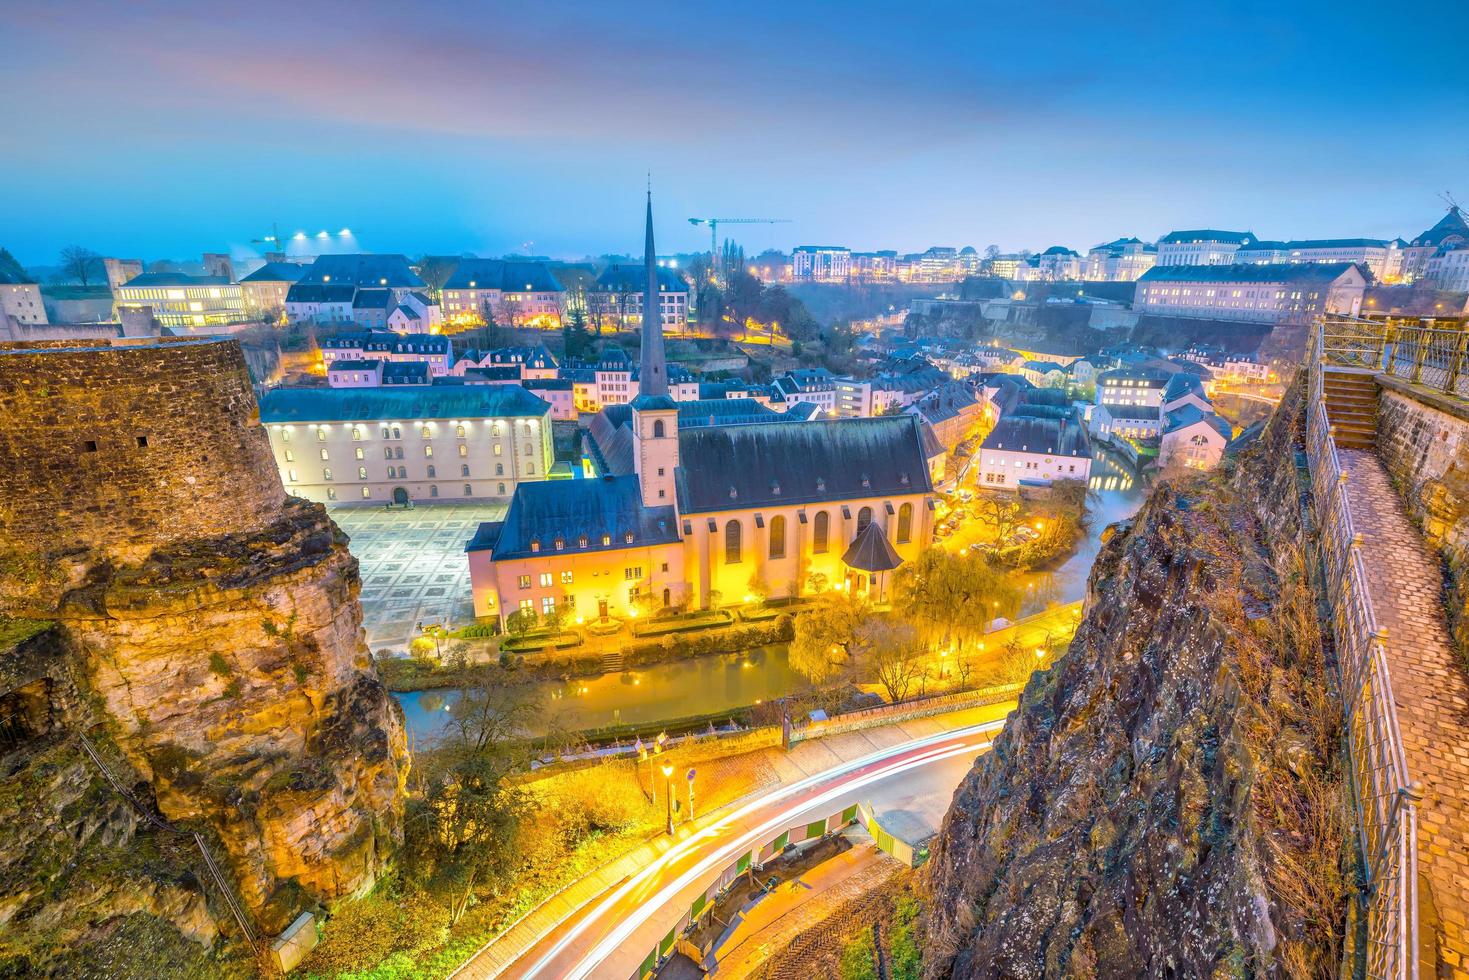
[905, 523]
[777, 537]
[732, 532]
[821, 530]
[864, 517]
[463, 449]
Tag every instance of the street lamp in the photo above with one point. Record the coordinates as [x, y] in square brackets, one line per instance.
[668, 794]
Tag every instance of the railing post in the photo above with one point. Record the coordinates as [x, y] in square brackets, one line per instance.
[1451, 385]
[1418, 359]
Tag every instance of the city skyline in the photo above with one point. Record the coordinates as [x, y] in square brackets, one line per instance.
[470, 131]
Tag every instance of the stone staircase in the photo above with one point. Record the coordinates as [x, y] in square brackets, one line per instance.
[612, 662]
[1351, 407]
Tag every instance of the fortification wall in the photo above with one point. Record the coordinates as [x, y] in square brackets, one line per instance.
[124, 446]
[1423, 440]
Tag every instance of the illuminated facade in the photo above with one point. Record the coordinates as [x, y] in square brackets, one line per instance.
[616, 299]
[21, 301]
[1121, 260]
[821, 263]
[512, 293]
[1204, 246]
[401, 445]
[1261, 293]
[264, 290]
[1384, 259]
[184, 301]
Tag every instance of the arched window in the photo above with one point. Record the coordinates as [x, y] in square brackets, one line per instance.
[657, 428]
[464, 469]
[459, 431]
[777, 537]
[387, 452]
[397, 432]
[499, 469]
[431, 473]
[820, 530]
[398, 452]
[732, 543]
[433, 491]
[463, 450]
[864, 518]
[905, 523]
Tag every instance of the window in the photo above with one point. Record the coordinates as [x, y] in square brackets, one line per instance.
[425, 432]
[566, 578]
[820, 531]
[357, 433]
[527, 605]
[431, 473]
[632, 573]
[362, 472]
[905, 523]
[499, 469]
[732, 532]
[548, 605]
[459, 432]
[325, 455]
[358, 453]
[499, 449]
[326, 473]
[398, 452]
[428, 451]
[291, 476]
[528, 449]
[290, 456]
[657, 428]
[433, 491]
[525, 581]
[777, 537]
[545, 580]
[331, 493]
[366, 492]
[387, 452]
[864, 518]
[285, 435]
[397, 432]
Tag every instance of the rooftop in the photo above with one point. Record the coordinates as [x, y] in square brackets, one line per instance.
[503, 275]
[1032, 434]
[307, 405]
[276, 272]
[1266, 272]
[581, 515]
[362, 270]
[1211, 235]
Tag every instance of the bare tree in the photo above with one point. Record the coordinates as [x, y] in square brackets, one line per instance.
[79, 263]
[894, 654]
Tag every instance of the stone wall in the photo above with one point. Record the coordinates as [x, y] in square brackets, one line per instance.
[1423, 441]
[123, 446]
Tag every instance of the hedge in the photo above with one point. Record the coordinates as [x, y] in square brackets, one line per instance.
[683, 624]
[539, 641]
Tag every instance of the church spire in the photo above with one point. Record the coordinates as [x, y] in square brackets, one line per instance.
[652, 368]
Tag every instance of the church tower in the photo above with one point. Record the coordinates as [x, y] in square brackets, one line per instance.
[654, 413]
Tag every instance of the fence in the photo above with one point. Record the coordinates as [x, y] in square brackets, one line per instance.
[920, 707]
[1382, 794]
[1408, 349]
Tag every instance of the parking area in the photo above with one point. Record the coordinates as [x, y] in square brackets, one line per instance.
[413, 566]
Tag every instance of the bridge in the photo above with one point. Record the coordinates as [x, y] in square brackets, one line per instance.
[1385, 400]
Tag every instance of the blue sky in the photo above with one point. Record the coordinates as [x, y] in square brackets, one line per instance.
[163, 130]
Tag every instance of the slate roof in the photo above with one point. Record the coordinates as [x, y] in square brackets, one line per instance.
[372, 299]
[1267, 272]
[1058, 250]
[176, 279]
[631, 278]
[276, 272]
[568, 510]
[871, 551]
[315, 293]
[1181, 384]
[1207, 235]
[730, 467]
[1182, 418]
[362, 270]
[945, 402]
[1450, 225]
[306, 405]
[1318, 243]
[1149, 377]
[495, 372]
[1044, 436]
[352, 364]
[1133, 413]
[504, 275]
[406, 373]
[387, 340]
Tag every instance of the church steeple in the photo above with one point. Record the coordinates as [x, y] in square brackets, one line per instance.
[652, 367]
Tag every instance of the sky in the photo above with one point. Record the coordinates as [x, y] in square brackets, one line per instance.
[163, 130]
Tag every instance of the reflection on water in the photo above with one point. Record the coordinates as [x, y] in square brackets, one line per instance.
[1118, 495]
[703, 685]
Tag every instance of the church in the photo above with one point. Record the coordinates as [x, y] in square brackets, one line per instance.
[693, 505]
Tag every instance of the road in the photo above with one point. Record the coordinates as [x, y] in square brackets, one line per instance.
[908, 784]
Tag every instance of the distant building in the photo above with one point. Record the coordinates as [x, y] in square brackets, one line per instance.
[1449, 235]
[1384, 259]
[219, 264]
[1260, 293]
[1120, 260]
[529, 362]
[1026, 450]
[412, 444]
[264, 290]
[617, 298]
[816, 386]
[1005, 266]
[178, 300]
[20, 298]
[1130, 403]
[326, 291]
[120, 271]
[434, 350]
[520, 294]
[1204, 246]
[821, 263]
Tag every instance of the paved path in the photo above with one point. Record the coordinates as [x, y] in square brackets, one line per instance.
[507, 954]
[1432, 696]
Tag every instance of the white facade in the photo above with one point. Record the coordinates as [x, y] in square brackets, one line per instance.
[1253, 293]
[821, 263]
[1007, 468]
[1449, 269]
[184, 301]
[1382, 258]
[1199, 446]
[1203, 247]
[1120, 261]
[374, 462]
[21, 301]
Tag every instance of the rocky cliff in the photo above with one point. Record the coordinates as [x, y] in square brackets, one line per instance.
[212, 641]
[1167, 801]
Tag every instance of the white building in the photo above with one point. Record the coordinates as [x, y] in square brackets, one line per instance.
[396, 446]
[1384, 259]
[517, 294]
[1026, 450]
[1204, 246]
[327, 290]
[1120, 260]
[1260, 293]
[20, 300]
[435, 351]
[264, 290]
[178, 300]
[816, 386]
[1450, 234]
[616, 298]
[821, 263]
[1193, 438]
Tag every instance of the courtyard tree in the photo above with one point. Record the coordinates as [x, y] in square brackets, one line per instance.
[822, 646]
[1001, 510]
[521, 622]
[952, 597]
[892, 652]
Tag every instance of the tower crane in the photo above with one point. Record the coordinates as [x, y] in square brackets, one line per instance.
[714, 224]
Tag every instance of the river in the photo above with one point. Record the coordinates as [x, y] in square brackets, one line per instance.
[707, 685]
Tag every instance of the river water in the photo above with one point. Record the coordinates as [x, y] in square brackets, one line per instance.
[707, 685]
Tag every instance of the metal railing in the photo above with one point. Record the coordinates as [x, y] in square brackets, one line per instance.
[1384, 797]
[1427, 352]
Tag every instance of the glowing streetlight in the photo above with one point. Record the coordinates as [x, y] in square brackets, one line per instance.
[668, 794]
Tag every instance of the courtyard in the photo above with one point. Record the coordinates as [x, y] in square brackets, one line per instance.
[413, 566]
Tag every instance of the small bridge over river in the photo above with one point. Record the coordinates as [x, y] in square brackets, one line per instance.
[1393, 397]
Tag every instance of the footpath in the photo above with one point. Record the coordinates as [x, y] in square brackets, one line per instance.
[779, 768]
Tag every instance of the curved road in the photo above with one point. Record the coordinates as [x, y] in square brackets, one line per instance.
[612, 935]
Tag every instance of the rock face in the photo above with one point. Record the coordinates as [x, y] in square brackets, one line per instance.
[215, 621]
[1167, 800]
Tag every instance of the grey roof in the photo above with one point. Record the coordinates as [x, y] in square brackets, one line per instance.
[1181, 384]
[728, 467]
[333, 292]
[871, 551]
[1182, 418]
[353, 364]
[276, 272]
[406, 373]
[387, 340]
[945, 402]
[385, 404]
[362, 270]
[176, 279]
[544, 512]
[1317, 243]
[1048, 436]
[1263, 272]
[1058, 250]
[1149, 377]
[1133, 413]
[632, 277]
[372, 299]
[504, 275]
[1451, 225]
[1207, 235]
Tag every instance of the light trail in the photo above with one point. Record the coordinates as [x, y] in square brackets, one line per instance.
[932, 749]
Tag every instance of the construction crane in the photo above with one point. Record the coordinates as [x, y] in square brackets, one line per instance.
[271, 242]
[714, 224]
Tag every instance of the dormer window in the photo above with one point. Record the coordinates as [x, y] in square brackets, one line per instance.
[820, 484]
[775, 488]
[581, 542]
[606, 540]
[903, 479]
[627, 538]
[535, 545]
[733, 493]
[866, 482]
[560, 543]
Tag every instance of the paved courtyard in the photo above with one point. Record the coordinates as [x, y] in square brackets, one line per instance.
[413, 566]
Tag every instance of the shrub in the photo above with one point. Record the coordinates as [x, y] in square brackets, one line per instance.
[857, 962]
